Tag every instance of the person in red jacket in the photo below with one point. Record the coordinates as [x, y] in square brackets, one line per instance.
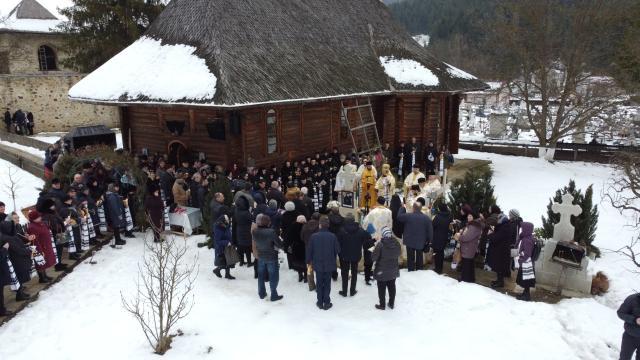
[43, 244]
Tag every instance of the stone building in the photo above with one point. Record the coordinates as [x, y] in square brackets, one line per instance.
[32, 77]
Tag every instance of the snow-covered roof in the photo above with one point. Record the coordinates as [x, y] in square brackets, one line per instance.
[267, 51]
[170, 72]
[40, 16]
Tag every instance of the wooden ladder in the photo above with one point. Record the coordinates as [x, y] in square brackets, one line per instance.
[362, 127]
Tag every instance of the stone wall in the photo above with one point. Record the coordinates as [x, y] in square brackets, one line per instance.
[46, 97]
[44, 93]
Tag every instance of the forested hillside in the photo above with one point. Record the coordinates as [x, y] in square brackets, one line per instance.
[457, 28]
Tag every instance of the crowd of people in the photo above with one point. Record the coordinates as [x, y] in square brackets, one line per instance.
[67, 218]
[20, 123]
[254, 211]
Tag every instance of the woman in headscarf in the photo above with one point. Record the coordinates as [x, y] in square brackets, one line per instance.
[526, 271]
[43, 243]
[469, 238]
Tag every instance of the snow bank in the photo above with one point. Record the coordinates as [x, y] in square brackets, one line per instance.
[408, 71]
[434, 315]
[28, 149]
[150, 70]
[457, 73]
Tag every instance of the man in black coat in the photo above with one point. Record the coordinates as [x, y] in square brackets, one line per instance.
[440, 235]
[418, 232]
[321, 254]
[335, 225]
[30, 123]
[274, 193]
[352, 239]
[431, 156]
[7, 120]
[629, 312]
[114, 212]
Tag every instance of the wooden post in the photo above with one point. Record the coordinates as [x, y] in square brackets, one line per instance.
[575, 154]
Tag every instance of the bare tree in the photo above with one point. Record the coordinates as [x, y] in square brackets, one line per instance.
[551, 52]
[164, 289]
[11, 184]
[623, 192]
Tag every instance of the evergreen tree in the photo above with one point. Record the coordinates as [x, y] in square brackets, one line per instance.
[585, 224]
[474, 189]
[99, 29]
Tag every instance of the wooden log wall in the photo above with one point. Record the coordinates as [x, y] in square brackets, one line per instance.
[302, 129]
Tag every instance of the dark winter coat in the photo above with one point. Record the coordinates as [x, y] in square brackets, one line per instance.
[441, 230]
[19, 251]
[114, 210]
[7, 118]
[352, 239]
[242, 222]
[267, 242]
[221, 236]
[322, 251]
[385, 255]
[293, 243]
[43, 243]
[154, 207]
[499, 250]
[217, 209]
[5, 275]
[629, 312]
[308, 229]
[525, 243]
[335, 222]
[395, 206]
[166, 184]
[275, 194]
[418, 230]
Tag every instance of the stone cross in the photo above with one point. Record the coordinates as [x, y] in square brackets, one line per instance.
[563, 230]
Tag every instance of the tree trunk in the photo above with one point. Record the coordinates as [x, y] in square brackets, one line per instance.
[547, 152]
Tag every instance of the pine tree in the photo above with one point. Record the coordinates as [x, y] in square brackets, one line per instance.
[99, 29]
[474, 189]
[585, 224]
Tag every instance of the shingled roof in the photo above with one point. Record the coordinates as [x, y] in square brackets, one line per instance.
[264, 51]
[31, 9]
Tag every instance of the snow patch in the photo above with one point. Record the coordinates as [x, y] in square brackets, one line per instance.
[149, 69]
[408, 71]
[457, 73]
[28, 149]
[422, 39]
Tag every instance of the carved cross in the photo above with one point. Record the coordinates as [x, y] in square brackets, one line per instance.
[563, 230]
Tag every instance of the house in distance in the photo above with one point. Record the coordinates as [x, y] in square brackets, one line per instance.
[276, 80]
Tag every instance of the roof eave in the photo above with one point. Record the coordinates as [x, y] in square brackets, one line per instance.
[276, 102]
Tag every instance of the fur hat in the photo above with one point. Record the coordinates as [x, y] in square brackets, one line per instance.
[514, 214]
[289, 206]
[34, 215]
[301, 219]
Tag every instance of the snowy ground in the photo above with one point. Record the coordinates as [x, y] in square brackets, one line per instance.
[28, 149]
[27, 187]
[433, 317]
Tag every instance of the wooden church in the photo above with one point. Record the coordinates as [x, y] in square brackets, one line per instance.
[276, 80]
